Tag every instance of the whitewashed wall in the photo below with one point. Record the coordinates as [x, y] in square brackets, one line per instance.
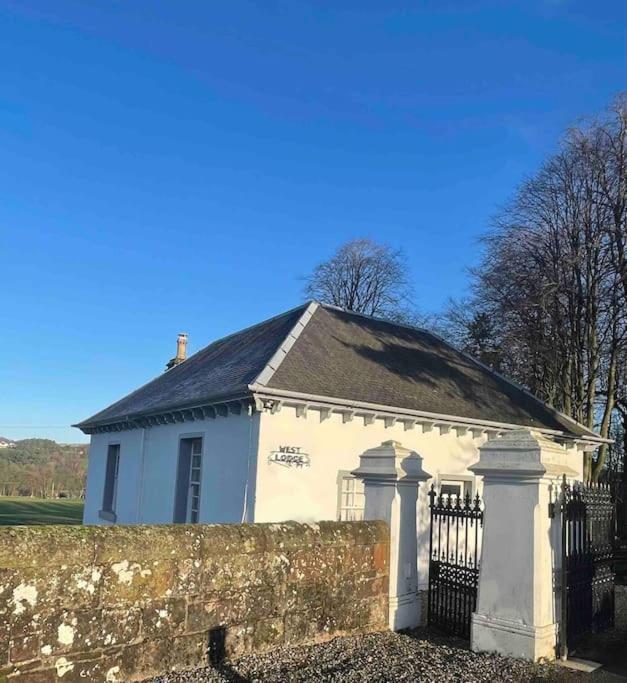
[238, 481]
[309, 494]
[128, 478]
[312, 493]
[229, 462]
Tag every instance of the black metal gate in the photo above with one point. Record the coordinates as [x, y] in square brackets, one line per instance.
[587, 580]
[454, 547]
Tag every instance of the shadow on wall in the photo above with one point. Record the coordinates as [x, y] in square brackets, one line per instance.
[431, 366]
[216, 656]
[173, 597]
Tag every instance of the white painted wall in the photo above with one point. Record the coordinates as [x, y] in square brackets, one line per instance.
[312, 494]
[239, 483]
[146, 492]
[285, 493]
[128, 477]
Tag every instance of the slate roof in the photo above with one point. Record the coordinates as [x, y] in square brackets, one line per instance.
[344, 355]
[222, 369]
[354, 357]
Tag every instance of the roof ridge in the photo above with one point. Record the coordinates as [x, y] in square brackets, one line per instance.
[284, 347]
[243, 329]
[396, 323]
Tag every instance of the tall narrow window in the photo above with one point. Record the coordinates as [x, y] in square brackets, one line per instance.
[111, 479]
[194, 481]
[188, 480]
[351, 498]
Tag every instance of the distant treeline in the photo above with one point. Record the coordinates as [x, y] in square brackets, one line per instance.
[43, 468]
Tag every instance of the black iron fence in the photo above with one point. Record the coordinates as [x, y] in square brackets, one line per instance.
[454, 550]
[587, 573]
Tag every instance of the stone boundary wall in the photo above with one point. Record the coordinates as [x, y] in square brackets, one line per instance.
[123, 603]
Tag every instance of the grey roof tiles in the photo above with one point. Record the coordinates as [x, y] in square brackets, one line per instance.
[344, 355]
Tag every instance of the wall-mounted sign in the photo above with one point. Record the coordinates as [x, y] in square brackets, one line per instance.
[289, 456]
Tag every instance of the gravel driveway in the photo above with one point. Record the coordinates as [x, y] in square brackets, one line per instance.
[376, 657]
[417, 656]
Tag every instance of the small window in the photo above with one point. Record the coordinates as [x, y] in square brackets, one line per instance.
[188, 480]
[351, 498]
[455, 488]
[111, 478]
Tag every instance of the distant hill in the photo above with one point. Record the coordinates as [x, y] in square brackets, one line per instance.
[42, 468]
[6, 443]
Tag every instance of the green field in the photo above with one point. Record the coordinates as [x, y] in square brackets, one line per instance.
[22, 510]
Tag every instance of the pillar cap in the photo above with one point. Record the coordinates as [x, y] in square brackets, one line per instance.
[391, 462]
[523, 453]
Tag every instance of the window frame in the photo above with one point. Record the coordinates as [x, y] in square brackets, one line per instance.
[193, 500]
[466, 481]
[109, 507]
[192, 512]
[344, 476]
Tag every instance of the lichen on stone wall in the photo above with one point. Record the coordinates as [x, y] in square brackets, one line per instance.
[24, 594]
[123, 603]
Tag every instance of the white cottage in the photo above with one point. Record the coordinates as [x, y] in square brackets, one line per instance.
[268, 423]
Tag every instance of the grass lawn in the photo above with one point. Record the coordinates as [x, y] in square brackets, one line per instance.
[22, 510]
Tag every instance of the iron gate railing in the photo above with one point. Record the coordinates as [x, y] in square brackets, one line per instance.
[454, 547]
[587, 574]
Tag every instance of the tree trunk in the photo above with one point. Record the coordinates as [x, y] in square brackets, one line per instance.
[604, 430]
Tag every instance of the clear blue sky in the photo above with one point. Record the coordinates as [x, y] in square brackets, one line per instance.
[179, 166]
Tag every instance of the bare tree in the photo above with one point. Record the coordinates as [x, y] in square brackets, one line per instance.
[550, 297]
[364, 277]
[606, 143]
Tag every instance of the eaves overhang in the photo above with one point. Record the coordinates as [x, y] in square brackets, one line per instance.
[370, 411]
[210, 407]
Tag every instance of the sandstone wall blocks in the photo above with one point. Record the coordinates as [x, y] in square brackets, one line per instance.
[163, 618]
[233, 572]
[44, 546]
[337, 533]
[141, 660]
[24, 648]
[5, 640]
[204, 615]
[284, 537]
[222, 540]
[71, 631]
[41, 676]
[144, 544]
[134, 583]
[187, 651]
[370, 532]
[138, 601]
[305, 565]
[119, 625]
[265, 634]
[188, 574]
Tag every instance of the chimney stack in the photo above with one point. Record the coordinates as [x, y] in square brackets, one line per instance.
[181, 351]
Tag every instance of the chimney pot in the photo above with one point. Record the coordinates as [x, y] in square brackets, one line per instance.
[181, 351]
[181, 347]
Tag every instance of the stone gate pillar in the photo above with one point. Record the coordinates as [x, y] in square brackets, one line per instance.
[391, 476]
[516, 612]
